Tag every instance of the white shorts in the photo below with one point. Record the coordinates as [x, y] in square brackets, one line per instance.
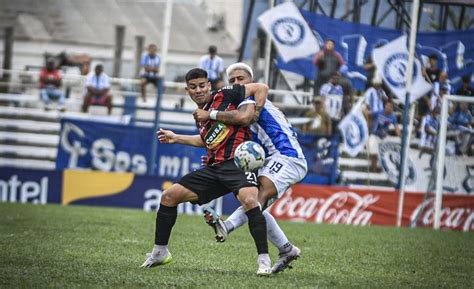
[284, 171]
[373, 144]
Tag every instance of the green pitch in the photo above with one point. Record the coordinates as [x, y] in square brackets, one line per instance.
[64, 247]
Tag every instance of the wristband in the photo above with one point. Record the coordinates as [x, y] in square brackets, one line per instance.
[213, 115]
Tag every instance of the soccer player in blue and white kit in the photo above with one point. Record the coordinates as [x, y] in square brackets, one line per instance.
[285, 165]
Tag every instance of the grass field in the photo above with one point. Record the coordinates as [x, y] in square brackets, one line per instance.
[64, 247]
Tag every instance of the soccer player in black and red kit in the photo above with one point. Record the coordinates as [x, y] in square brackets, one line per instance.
[220, 176]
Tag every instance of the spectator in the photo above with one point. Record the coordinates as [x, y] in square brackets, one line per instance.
[375, 96]
[151, 67]
[347, 89]
[332, 95]
[219, 83]
[429, 130]
[327, 61]
[432, 72]
[369, 67]
[50, 81]
[466, 88]
[442, 85]
[320, 122]
[461, 121]
[382, 123]
[214, 65]
[97, 90]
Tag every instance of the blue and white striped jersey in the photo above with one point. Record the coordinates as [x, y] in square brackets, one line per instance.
[374, 98]
[275, 133]
[148, 60]
[214, 66]
[333, 96]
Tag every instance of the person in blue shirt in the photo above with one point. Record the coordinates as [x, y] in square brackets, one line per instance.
[150, 69]
[385, 121]
[461, 121]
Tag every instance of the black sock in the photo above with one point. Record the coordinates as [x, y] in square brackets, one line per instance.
[258, 229]
[165, 219]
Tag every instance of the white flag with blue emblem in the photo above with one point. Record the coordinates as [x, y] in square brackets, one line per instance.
[289, 31]
[354, 130]
[392, 63]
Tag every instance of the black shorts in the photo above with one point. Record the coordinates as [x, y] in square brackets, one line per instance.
[212, 182]
[151, 79]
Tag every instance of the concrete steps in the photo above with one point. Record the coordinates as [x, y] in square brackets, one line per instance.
[28, 152]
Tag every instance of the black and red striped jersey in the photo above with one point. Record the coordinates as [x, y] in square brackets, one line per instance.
[221, 139]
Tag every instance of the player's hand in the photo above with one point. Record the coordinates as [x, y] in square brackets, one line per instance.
[166, 136]
[201, 115]
[204, 160]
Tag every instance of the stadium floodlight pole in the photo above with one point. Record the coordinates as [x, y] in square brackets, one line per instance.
[159, 91]
[407, 118]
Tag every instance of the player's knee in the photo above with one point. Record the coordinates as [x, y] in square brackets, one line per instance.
[249, 201]
[168, 199]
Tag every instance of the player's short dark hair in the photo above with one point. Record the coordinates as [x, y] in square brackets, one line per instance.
[195, 73]
[212, 49]
[433, 56]
[330, 40]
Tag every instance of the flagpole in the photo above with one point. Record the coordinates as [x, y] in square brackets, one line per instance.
[407, 118]
[268, 52]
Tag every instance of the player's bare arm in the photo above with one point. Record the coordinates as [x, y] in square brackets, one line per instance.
[169, 137]
[259, 91]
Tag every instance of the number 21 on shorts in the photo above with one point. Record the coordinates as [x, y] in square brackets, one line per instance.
[251, 178]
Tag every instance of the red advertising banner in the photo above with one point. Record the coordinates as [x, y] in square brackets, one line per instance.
[341, 205]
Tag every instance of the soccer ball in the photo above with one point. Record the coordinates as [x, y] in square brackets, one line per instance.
[249, 156]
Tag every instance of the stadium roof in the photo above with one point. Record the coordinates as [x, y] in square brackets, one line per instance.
[93, 22]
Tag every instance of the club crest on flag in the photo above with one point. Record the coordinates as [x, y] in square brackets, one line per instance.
[355, 131]
[395, 69]
[389, 155]
[392, 61]
[288, 31]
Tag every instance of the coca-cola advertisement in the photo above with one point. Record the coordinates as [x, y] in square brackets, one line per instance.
[341, 205]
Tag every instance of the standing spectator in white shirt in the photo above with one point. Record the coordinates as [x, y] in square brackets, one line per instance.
[97, 90]
[332, 94]
[214, 65]
[151, 67]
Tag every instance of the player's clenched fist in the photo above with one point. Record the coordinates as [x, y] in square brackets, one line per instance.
[166, 136]
[201, 114]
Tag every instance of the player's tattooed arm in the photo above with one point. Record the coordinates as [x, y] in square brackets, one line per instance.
[243, 116]
[259, 91]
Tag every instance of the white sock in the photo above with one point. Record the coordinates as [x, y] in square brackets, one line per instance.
[159, 248]
[237, 219]
[264, 258]
[275, 233]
